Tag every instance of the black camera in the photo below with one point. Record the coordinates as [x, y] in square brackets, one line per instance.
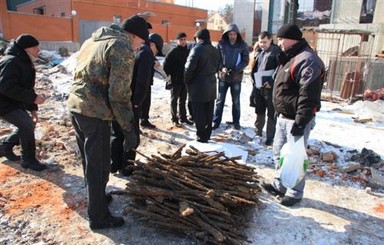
[229, 72]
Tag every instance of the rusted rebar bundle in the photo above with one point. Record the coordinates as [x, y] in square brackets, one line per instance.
[199, 194]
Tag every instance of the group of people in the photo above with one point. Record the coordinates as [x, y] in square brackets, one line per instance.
[112, 79]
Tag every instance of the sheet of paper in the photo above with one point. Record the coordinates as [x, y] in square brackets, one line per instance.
[259, 77]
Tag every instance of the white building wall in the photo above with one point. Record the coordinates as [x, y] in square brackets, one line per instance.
[379, 17]
[347, 11]
[243, 16]
[346, 16]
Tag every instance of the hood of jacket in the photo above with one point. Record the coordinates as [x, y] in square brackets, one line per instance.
[232, 27]
[105, 33]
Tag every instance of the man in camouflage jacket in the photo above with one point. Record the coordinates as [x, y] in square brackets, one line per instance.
[100, 93]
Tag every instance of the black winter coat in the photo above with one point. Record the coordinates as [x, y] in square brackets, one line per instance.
[142, 74]
[298, 83]
[17, 81]
[271, 62]
[200, 69]
[174, 64]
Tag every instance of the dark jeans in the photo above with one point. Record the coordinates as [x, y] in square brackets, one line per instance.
[24, 134]
[119, 156]
[202, 114]
[178, 94]
[264, 102]
[93, 138]
[235, 94]
[146, 105]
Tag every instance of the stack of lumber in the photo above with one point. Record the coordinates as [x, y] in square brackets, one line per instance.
[204, 195]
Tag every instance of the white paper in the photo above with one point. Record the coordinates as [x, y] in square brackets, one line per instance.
[259, 77]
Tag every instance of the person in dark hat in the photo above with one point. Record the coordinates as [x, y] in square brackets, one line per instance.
[234, 53]
[174, 67]
[200, 77]
[264, 61]
[155, 43]
[142, 79]
[18, 98]
[296, 97]
[101, 92]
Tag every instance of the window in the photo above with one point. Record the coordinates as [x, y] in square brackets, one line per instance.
[367, 11]
[116, 19]
[39, 10]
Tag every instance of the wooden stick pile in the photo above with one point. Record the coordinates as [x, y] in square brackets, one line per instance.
[200, 194]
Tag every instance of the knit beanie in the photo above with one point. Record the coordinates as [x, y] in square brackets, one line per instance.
[136, 25]
[290, 31]
[158, 41]
[203, 34]
[26, 41]
[181, 35]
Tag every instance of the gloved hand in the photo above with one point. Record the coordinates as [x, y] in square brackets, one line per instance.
[297, 130]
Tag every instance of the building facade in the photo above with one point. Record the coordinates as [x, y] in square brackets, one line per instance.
[73, 21]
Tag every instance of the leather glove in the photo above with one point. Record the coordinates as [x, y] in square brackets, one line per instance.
[297, 130]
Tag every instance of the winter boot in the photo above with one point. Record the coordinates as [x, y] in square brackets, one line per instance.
[6, 151]
[34, 165]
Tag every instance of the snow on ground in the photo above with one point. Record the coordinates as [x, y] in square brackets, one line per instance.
[329, 213]
[334, 123]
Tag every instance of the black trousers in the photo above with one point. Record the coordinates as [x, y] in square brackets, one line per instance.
[264, 103]
[146, 105]
[178, 96]
[203, 116]
[120, 157]
[93, 138]
[24, 134]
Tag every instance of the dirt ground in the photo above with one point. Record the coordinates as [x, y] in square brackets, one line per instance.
[50, 207]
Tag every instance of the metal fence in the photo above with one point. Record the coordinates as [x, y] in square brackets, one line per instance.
[348, 56]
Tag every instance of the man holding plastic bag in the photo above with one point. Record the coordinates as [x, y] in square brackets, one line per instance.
[296, 97]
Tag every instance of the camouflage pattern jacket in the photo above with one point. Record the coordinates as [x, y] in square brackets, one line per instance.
[103, 75]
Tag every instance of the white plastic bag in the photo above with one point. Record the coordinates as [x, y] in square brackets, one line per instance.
[293, 162]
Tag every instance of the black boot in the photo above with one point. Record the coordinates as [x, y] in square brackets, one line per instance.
[34, 165]
[6, 151]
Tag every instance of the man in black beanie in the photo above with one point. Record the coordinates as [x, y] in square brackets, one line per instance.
[17, 98]
[174, 66]
[101, 92]
[200, 77]
[296, 97]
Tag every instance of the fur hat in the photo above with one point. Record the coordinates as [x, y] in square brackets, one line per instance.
[181, 35]
[158, 41]
[203, 34]
[136, 25]
[26, 41]
[290, 31]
